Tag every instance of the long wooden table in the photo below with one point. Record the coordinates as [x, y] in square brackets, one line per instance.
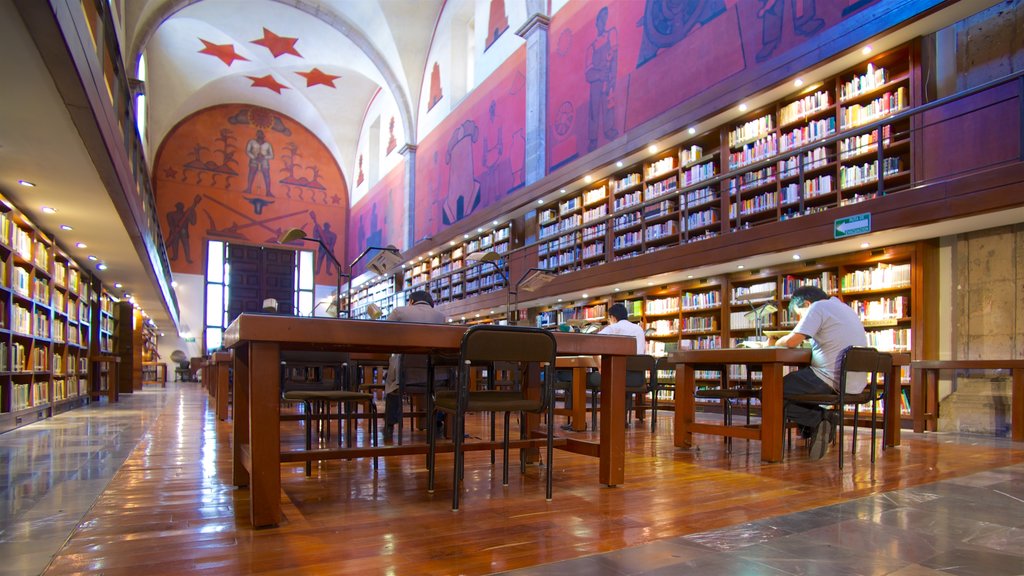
[924, 390]
[257, 341]
[770, 362]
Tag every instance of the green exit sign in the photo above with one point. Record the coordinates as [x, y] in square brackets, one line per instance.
[853, 225]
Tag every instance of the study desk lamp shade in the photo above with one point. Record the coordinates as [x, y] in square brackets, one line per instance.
[534, 279]
[489, 256]
[292, 235]
[385, 260]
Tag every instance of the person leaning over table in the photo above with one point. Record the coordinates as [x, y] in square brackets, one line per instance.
[832, 327]
[420, 309]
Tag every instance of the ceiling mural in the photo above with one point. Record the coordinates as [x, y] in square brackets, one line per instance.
[246, 173]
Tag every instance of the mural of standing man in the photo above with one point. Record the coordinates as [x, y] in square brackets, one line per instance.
[324, 233]
[260, 153]
[602, 62]
[178, 222]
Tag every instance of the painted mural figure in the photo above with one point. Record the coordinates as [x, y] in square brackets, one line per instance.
[392, 141]
[601, 65]
[498, 177]
[178, 222]
[771, 13]
[666, 22]
[260, 153]
[463, 188]
[324, 233]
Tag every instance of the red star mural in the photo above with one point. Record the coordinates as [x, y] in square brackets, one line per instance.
[278, 45]
[170, 172]
[267, 82]
[226, 52]
[316, 76]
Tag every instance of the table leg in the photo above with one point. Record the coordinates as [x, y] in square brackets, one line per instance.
[265, 433]
[613, 420]
[931, 392]
[578, 416]
[891, 408]
[221, 371]
[771, 412]
[917, 386]
[684, 412]
[1017, 405]
[240, 420]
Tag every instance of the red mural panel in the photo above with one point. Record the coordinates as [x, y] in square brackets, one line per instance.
[476, 156]
[377, 218]
[619, 64]
[247, 174]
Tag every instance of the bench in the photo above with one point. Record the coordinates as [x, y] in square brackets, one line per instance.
[924, 390]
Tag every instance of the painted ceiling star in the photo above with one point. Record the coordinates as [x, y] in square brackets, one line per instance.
[317, 76]
[267, 82]
[278, 45]
[226, 52]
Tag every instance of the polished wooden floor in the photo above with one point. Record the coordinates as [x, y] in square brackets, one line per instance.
[170, 509]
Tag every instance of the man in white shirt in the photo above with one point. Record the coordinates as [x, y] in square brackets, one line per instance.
[833, 327]
[623, 327]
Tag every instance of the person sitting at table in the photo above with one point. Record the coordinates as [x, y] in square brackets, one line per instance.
[832, 327]
[420, 309]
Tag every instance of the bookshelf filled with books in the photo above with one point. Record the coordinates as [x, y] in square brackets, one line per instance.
[43, 350]
[723, 311]
[457, 271]
[380, 293]
[782, 161]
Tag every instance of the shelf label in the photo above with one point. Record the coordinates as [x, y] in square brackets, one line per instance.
[853, 225]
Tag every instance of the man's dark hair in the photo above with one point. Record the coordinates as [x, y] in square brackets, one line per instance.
[618, 311]
[421, 296]
[806, 294]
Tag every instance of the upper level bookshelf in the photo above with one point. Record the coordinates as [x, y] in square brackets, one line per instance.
[380, 292]
[764, 167]
[451, 274]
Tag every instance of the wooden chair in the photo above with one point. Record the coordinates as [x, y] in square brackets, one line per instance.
[489, 344]
[640, 377]
[317, 394]
[855, 359]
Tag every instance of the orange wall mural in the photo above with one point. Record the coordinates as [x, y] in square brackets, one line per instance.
[244, 173]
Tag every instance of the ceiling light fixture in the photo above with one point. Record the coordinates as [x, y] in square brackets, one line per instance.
[495, 222]
[618, 164]
[585, 295]
[692, 130]
[101, 266]
[118, 285]
[540, 201]
[652, 148]
[741, 267]
[588, 178]
[866, 50]
[743, 107]
[798, 82]
[562, 191]
[796, 256]
[865, 245]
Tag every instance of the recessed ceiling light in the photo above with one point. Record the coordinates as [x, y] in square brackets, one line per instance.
[479, 229]
[689, 276]
[798, 82]
[26, 183]
[494, 222]
[492, 311]
[865, 245]
[80, 245]
[93, 258]
[477, 315]
[650, 283]
[740, 266]
[463, 317]
[618, 164]
[743, 107]
[616, 289]
[465, 236]
[562, 191]
[118, 285]
[451, 242]
[65, 227]
[49, 210]
[540, 201]
[588, 178]
[451, 319]
[174, 283]
[101, 266]
[866, 50]
[692, 130]
[559, 299]
[652, 148]
[796, 256]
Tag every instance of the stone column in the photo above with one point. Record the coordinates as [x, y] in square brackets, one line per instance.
[408, 227]
[535, 31]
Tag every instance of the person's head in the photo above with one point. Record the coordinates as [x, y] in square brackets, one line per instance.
[420, 296]
[619, 312]
[179, 206]
[259, 135]
[602, 19]
[803, 297]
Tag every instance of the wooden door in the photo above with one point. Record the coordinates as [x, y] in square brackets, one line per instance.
[258, 273]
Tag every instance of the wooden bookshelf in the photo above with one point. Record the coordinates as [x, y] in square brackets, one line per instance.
[448, 275]
[44, 348]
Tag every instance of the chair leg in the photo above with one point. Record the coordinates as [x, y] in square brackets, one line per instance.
[842, 427]
[307, 406]
[431, 454]
[593, 409]
[372, 411]
[504, 450]
[856, 416]
[457, 439]
[654, 410]
[551, 449]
